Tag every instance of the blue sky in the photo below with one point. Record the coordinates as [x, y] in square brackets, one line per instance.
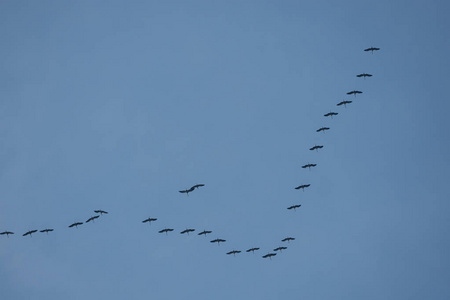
[119, 106]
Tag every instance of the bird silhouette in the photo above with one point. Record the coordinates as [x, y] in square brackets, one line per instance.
[322, 129]
[149, 220]
[252, 250]
[47, 230]
[100, 212]
[316, 147]
[218, 241]
[330, 114]
[280, 249]
[269, 255]
[288, 239]
[303, 186]
[187, 231]
[29, 233]
[75, 224]
[364, 75]
[309, 166]
[166, 230]
[197, 186]
[92, 219]
[234, 252]
[354, 93]
[7, 233]
[294, 206]
[205, 232]
[187, 191]
[372, 49]
[345, 102]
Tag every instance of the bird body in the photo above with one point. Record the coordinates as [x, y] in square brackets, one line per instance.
[280, 249]
[187, 191]
[100, 212]
[316, 147]
[75, 224]
[269, 255]
[218, 241]
[309, 166]
[345, 102]
[322, 129]
[234, 252]
[166, 230]
[303, 186]
[294, 206]
[330, 114]
[288, 239]
[354, 93]
[7, 233]
[47, 230]
[29, 232]
[372, 49]
[205, 232]
[252, 250]
[149, 220]
[92, 218]
[364, 75]
[187, 231]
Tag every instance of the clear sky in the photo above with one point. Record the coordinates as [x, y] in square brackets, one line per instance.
[119, 105]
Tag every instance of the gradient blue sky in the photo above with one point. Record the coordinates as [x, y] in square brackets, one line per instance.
[118, 106]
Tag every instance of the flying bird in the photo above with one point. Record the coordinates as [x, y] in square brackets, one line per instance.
[149, 220]
[322, 129]
[294, 206]
[234, 252]
[165, 230]
[372, 49]
[309, 166]
[29, 232]
[354, 93]
[303, 186]
[345, 102]
[100, 212]
[75, 224]
[205, 232]
[47, 230]
[269, 255]
[218, 241]
[316, 147]
[252, 250]
[197, 186]
[364, 75]
[92, 219]
[187, 191]
[330, 114]
[7, 233]
[187, 231]
[280, 248]
[288, 239]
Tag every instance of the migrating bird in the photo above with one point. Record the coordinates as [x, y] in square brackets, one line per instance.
[92, 219]
[330, 114]
[218, 241]
[252, 250]
[372, 49]
[288, 239]
[354, 93]
[322, 129]
[294, 206]
[165, 230]
[100, 212]
[233, 252]
[280, 248]
[309, 166]
[75, 224]
[187, 231]
[187, 191]
[205, 232]
[149, 220]
[269, 255]
[7, 233]
[303, 186]
[316, 147]
[364, 75]
[29, 232]
[47, 230]
[345, 102]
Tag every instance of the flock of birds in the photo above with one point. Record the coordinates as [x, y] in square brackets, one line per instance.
[197, 186]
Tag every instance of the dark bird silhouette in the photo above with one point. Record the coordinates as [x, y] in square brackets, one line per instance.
[205, 232]
[288, 239]
[197, 186]
[100, 212]
[322, 129]
[280, 248]
[269, 255]
[330, 114]
[316, 147]
[303, 186]
[345, 102]
[29, 232]
[187, 231]
[166, 230]
[7, 233]
[218, 241]
[75, 224]
[372, 49]
[354, 93]
[187, 191]
[252, 250]
[294, 206]
[47, 230]
[234, 252]
[309, 166]
[92, 219]
[149, 220]
[364, 75]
